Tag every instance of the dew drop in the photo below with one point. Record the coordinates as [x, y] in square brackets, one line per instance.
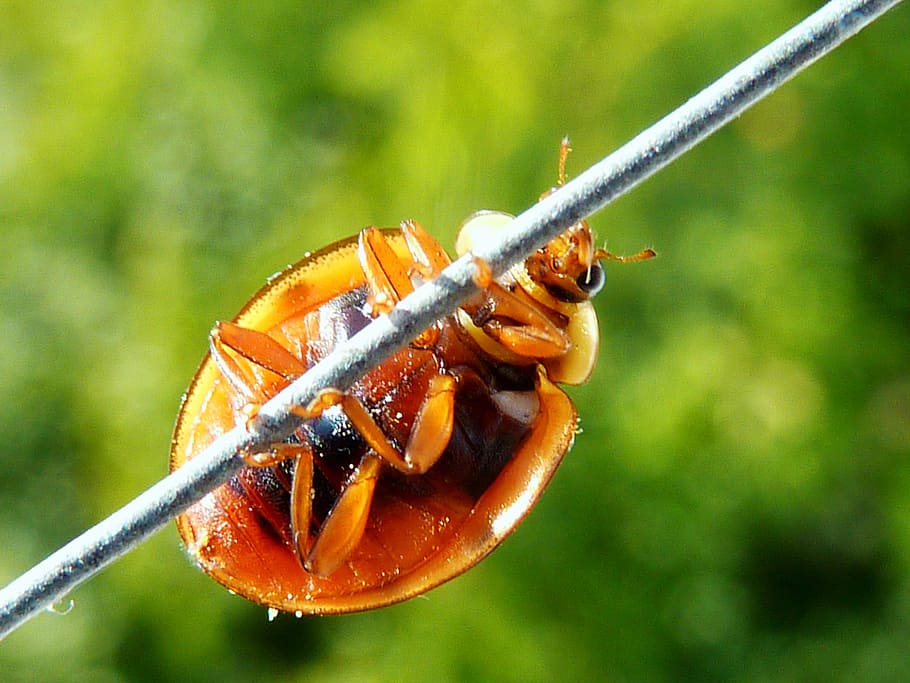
[62, 607]
[273, 614]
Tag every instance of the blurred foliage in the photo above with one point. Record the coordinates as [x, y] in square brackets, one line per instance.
[738, 504]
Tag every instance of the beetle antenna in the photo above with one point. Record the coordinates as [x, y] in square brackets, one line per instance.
[643, 255]
[564, 150]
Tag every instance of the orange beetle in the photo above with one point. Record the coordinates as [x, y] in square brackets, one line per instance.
[424, 465]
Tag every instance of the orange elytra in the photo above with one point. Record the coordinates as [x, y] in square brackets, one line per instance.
[424, 465]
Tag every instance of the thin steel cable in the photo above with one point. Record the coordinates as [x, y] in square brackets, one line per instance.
[50, 580]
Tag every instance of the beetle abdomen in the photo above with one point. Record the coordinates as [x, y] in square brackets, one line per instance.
[494, 410]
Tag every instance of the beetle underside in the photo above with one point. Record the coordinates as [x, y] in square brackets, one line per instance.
[424, 465]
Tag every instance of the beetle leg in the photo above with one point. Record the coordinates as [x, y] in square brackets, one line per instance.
[429, 434]
[302, 504]
[259, 348]
[256, 347]
[433, 425]
[483, 273]
[343, 528]
[361, 419]
[345, 524]
[260, 500]
[429, 257]
[300, 488]
[274, 454]
[386, 277]
[301, 492]
[517, 324]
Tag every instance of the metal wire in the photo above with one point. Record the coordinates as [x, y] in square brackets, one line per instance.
[51, 579]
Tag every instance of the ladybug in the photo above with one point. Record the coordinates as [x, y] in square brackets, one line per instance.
[423, 466]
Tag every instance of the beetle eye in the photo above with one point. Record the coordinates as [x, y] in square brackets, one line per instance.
[592, 280]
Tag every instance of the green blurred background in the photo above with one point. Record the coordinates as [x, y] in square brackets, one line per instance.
[738, 504]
